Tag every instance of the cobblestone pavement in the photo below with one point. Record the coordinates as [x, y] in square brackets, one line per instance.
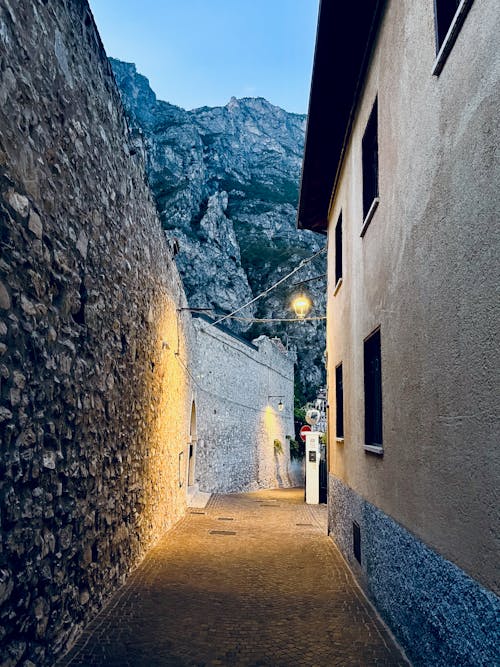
[251, 580]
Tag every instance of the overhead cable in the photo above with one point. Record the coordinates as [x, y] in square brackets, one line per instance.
[269, 289]
[277, 319]
[308, 280]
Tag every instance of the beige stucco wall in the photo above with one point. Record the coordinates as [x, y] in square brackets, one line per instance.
[426, 271]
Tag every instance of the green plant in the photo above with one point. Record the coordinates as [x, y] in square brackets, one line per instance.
[322, 439]
[278, 446]
[297, 449]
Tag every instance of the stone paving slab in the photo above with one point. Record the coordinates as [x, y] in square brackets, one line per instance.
[252, 581]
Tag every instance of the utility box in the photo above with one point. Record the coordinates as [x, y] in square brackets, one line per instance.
[313, 455]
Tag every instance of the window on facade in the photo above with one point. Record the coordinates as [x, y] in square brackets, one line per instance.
[449, 17]
[338, 250]
[370, 162]
[445, 11]
[373, 391]
[339, 402]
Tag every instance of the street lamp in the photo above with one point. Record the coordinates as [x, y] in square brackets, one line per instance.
[281, 406]
[301, 304]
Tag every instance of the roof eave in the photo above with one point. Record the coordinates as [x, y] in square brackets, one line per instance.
[344, 42]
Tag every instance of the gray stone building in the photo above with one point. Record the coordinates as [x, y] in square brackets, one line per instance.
[240, 387]
[401, 169]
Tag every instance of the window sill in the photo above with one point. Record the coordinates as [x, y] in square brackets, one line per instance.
[451, 36]
[369, 215]
[339, 441]
[337, 286]
[374, 449]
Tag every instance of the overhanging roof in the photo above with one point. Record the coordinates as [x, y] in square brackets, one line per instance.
[344, 41]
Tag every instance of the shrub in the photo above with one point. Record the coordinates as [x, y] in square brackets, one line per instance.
[278, 447]
[297, 449]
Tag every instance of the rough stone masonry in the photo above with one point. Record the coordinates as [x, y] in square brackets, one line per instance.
[88, 294]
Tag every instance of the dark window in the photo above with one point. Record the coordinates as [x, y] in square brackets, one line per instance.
[339, 401]
[445, 12]
[338, 249]
[373, 390]
[370, 161]
[449, 16]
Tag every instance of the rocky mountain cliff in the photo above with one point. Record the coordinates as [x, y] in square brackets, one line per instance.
[226, 183]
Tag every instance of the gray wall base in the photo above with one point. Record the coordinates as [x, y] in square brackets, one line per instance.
[439, 614]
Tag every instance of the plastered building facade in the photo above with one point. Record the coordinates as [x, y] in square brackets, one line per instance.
[401, 170]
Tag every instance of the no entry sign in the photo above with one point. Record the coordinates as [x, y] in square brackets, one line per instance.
[305, 429]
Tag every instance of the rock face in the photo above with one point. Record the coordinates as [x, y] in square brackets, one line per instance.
[94, 409]
[226, 181]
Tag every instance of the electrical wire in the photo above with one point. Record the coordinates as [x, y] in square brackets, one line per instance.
[277, 319]
[269, 289]
[259, 319]
[225, 399]
[308, 280]
[238, 349]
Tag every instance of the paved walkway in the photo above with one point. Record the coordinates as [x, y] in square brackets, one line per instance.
[251, 580]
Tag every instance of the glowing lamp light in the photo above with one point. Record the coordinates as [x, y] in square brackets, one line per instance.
[281, 406]
[301, 304]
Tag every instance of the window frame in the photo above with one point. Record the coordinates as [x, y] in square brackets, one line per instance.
[339, 414]
[373, 399]
[370, 167]
[444, 48]
[339, 251]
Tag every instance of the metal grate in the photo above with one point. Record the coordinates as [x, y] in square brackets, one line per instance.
[225, 518]
[356, 541]
[194, 512]
[303, 524]
[222, 532]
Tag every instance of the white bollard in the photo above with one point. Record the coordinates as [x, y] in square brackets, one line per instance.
[312, 468]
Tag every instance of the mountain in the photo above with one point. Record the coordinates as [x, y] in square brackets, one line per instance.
[226, 180]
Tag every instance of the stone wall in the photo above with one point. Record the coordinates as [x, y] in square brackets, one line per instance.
[238, 422]
[95, 398]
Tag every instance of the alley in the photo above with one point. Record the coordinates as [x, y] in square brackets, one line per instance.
[250, 580]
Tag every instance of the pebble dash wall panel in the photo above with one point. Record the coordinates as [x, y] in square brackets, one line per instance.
[94, 395]
[239, 386]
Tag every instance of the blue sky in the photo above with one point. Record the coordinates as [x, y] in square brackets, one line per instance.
[202, 52]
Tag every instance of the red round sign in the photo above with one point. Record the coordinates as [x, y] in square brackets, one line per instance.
[305, 429]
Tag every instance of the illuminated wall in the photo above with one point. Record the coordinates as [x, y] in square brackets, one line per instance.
[95, 397]
[237, 421]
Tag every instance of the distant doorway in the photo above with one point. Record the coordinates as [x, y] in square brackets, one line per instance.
[192, 446]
